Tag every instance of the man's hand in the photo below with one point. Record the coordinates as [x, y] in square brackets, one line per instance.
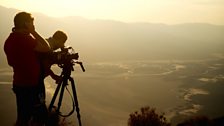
[58, 79]
[76, 56]
[30, 27]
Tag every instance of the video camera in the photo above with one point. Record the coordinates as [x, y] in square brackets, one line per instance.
[65, 57]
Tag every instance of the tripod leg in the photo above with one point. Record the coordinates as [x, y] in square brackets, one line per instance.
[54, 97]
[65, 82]
[76, 100]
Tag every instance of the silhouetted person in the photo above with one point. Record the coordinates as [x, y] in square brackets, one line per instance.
[57, 41]
[21, 49]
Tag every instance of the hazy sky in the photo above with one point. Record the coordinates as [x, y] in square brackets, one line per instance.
[154, 11]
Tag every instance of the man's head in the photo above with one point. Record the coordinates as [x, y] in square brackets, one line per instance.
[59, 38]
[22, 20]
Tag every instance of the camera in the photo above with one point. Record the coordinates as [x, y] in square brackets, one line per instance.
[65, 56]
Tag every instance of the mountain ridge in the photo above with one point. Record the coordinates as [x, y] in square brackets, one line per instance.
[109, 40]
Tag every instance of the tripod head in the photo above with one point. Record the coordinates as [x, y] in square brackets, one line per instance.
[68, 67]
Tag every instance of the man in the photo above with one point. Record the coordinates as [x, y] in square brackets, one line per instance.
[21, 49]
[56, 41]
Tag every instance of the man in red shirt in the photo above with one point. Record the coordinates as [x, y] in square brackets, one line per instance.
[21, 49]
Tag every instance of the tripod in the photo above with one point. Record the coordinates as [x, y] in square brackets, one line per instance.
[67, 68]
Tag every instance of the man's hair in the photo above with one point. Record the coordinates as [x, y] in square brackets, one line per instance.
[21, 18]
[60, 35]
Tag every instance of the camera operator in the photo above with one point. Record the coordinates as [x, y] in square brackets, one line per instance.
[57, 41]
[21, 49]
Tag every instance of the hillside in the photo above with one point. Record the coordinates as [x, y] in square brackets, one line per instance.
[107, 40]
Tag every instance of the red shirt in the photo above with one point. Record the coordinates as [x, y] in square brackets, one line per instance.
[19, 49]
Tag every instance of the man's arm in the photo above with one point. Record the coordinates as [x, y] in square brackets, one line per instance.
[57, 78]
[42, 44]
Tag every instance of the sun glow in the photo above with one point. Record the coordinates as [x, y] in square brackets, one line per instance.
[158, 11]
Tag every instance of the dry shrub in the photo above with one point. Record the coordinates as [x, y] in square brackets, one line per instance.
[147, 117]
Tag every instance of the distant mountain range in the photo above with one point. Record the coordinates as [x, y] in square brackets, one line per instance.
[108, 40]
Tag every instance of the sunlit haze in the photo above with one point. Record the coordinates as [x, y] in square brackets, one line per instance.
[153, 11]
[165, 54]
